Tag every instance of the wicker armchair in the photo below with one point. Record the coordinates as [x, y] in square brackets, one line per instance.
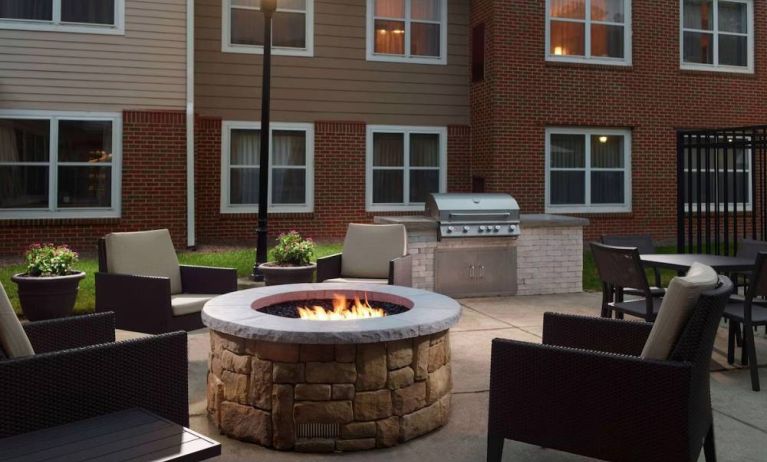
[373, 254]
[79, 372]
[585, 390]
[148, 290]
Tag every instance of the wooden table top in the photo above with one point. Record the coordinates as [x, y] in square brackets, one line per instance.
[135, 435]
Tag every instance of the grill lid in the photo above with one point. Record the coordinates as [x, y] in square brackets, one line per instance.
[474, 214]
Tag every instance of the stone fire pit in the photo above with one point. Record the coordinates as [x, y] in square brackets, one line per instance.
[324, 386]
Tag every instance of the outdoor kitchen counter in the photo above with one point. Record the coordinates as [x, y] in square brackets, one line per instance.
[547, 256]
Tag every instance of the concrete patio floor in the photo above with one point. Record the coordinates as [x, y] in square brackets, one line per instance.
[740, 414]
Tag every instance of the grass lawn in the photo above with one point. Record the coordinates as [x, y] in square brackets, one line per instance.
[241, 259]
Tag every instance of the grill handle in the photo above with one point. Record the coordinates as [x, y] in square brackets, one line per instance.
[479, 214]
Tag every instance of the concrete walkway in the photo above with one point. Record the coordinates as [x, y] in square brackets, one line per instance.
[740, 414]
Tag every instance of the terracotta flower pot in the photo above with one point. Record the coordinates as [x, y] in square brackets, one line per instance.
[275, 274]
[47, 297]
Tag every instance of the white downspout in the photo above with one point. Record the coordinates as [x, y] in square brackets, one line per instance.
[190, 198]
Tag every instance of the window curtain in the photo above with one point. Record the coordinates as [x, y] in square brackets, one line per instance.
[390, 8]
[425, 38]
[41, 10]
[575, 9]
[88, 11]
[425, 9]
[288, 184]
[388, 151]
[245, 151]
[9, 152]
[424, 150]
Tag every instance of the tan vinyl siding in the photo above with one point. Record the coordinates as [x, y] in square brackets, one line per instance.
[338, 83]
[143, 69]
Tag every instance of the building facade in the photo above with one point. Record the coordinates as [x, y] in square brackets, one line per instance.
[128, 114]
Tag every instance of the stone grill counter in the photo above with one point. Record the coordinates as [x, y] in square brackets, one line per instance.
[354, 390]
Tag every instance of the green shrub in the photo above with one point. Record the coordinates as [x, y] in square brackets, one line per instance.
[293, 250]
[49, 260]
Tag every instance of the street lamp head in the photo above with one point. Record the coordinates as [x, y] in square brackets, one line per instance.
[268, 6]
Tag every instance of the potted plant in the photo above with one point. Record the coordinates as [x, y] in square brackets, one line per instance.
[292, 261]
[48, 288]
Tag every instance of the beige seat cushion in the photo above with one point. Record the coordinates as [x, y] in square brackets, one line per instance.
[368, 249]
[182, 304]
[144, 253]
[13, 339]
[675, 310]
[359, 280]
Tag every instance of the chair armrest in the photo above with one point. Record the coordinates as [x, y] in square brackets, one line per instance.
[401, 271]
[589, 402]
[140, 303]
[51, 389]
[592, 333]
[71, 332]
[329, 267]
[208, 280]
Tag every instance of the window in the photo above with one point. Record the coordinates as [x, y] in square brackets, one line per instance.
[478, 53]
[412, 31]
[87, 16]
[588, 170]
[592, 31]
[726, 170]
[291, 167]
[404, 165]
[292, 27]
[59, 165]
[717, 35]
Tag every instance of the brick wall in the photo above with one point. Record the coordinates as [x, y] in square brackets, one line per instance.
[339, 183]
[522, 94]
[153, 189]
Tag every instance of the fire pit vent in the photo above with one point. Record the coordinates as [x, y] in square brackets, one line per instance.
[317, 430]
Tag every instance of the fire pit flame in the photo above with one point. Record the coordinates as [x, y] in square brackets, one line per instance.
[342, 310]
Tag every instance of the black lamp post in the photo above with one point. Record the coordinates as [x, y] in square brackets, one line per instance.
[267, 7]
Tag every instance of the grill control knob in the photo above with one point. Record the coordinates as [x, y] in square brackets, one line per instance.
[465, 229]
[497, 228]
[512, 228]
[482, 229]
[450, 229]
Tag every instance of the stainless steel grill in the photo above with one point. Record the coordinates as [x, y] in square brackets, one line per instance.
[474, 215]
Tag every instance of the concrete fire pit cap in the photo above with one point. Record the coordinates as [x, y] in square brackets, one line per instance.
[236, 314]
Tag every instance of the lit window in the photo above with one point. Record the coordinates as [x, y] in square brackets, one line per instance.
[290, 167]
[405, 165]
[292, 27]
[407, 30]
[596, 31]
[59, 166]
[588, 170]
[89, 16]
[717, 35]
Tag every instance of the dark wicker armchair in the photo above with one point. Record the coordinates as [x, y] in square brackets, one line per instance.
[155, 294]
[585, 390]
[79, 372]
[373, 254]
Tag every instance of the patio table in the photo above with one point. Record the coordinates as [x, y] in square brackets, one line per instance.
[136, 435]
[681, 262]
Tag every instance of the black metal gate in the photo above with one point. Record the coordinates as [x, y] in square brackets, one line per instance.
[721, 194]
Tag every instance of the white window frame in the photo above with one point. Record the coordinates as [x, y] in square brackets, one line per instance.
[715, 66]
[406, 131]
[56, 25]
[226, 136]
[587, 169]
[70, 212]
[226, 34]
[587, 58]
[407, 57]
[712, 205]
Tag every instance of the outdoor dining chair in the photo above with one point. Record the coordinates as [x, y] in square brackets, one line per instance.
[142, 282]
[612, 389]
[748, 313]
[620, 268]
[645, 245]
[747, 248]
[372, 254]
